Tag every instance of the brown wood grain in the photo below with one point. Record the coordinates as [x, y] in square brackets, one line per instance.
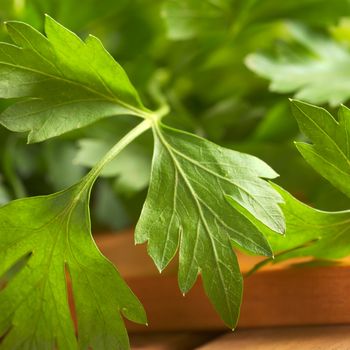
[277, 295]
[169, 341]
[301, 338]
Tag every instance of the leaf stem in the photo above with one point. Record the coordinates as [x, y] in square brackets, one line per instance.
[151, 120]
[156, 93]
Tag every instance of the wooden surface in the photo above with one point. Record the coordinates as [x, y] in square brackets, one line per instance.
[277, 295]
[281, 338]
[302, 338]
[169, 341]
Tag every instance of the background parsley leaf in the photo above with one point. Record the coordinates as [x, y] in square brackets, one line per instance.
[312, 232]
[305, 67]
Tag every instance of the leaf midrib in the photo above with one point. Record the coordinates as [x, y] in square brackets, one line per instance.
[113, 99]
[205, 224]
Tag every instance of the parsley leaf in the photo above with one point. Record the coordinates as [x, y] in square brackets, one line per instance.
[329, 152]
[66, 83]
[53, 232]
[312, 232]
[313, 74]
[203, 198]
[187, 206]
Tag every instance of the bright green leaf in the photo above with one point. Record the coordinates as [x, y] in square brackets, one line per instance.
[329, 152]
[186, 207]
[53, 234]
[67, 83]
[311, 232]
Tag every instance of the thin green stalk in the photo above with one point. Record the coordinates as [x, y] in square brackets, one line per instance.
[114, 151]
[151, 119]
[155, 91]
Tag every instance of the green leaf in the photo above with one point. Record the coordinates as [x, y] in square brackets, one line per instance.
[313, 74]
[311, 232]
[187, 207]
[66, 83]
[53, 234]
[329, 152]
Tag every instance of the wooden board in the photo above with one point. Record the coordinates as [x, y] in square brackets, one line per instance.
[302, 338]
[169, 341]
[277, 295]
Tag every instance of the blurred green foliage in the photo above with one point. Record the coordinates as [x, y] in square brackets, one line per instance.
[204, 56]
